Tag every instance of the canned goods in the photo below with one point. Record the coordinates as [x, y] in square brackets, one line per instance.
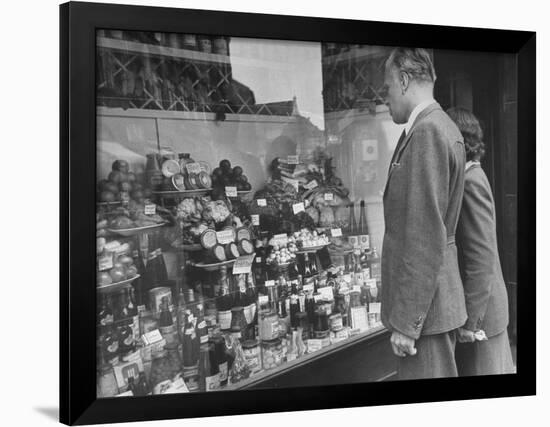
[252, 355]
[178, 182]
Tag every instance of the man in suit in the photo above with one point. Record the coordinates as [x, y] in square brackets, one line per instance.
[422, 294]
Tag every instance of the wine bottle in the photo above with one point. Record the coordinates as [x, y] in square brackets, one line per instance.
[363, 228]
[137, 284]
[224, 301]
[352, 227]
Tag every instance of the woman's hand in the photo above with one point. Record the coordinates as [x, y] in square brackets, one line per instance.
[464, 335]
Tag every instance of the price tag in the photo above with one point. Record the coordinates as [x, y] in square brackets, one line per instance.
[269, 283]
[151, 337]
[374, 307]
[370, 283]
[329, 196]
[225, 236]
[261, 202]
[327, 292]
[311, 185]
[314, 345]
[306, 203]
[336, 232]
[258, 259]
[255, 219]
[359, 318]
[243, 264]
[293, 160]
[193, 168]
[263, 299]
[280, 239]
[150, 209]
[298, 207]
[309, 287]
[294, 182]
[318, 298]
[356, 288]
[231, 191]
[105, 262]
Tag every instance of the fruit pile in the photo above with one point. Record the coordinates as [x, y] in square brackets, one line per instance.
[122, 185]
[226, 176]
[114, 263]
[310, 239]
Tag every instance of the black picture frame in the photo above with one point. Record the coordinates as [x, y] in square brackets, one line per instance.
[78, 23]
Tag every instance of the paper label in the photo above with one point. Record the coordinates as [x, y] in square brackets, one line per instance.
[105, 262]
[374, 307]
[280, 239]
[364, 241]
[224, 319]
[255, 219]
[223, 371]
[150, 209]
[318, 298]
[359, 318]
[212, 383]
[311, 185]
[314, 345]
[269, 283]
[354, 241]
[329, 196]
[225, 236]
[263, 299]
[309, 287]
[178, 386]
[370, 283]
[293, 160]
[151, 337]
[243, 264]
[294, 182]
[336, 232]
[298, 207]
[193, 168]
[327, 292]
[356, 289]
[262, 202]
[231, 191]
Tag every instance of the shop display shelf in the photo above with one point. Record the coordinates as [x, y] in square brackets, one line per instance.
[128, 232]
[311, 249]
[264, 375]
[113, 287]
[181, 194]
[214, 266]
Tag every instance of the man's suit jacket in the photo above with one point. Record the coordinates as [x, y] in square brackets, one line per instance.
[476, 237]
[422, 293]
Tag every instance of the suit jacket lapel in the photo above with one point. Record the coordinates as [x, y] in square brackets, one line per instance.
[402, 144]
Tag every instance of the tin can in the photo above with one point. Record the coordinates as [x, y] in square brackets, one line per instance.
[156, 295]
[178, 182]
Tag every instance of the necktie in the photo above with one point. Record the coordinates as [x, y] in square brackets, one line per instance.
[397, 148]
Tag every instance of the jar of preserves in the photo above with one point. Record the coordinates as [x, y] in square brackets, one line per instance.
[153, 171]
[272, 353]
[268, 325]
[252, 355]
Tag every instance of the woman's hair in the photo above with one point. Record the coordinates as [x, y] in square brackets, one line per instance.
[471, 131]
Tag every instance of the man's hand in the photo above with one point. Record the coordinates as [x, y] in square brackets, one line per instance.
[402, 344]
[464, 335]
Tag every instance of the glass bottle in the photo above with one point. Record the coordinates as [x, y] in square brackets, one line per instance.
[153, 171]
[209, 372]
[251, 297]
[374, 264]
[126, 340]
[109, 346]
[224, 301]
[239, 368]
[352, 227]
[221, 357]
[202, 331]
[357, 270]
[191, 354]
[137, 284]
[292, 352]
[363, 227]
[142, 388]
[105, 316]
[132, 386]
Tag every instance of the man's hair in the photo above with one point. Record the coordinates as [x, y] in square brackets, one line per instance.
[417, 63]
[471, 131]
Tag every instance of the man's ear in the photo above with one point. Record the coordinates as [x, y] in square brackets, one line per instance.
[404, 82]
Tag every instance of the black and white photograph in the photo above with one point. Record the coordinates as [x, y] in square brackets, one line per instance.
[275, 213]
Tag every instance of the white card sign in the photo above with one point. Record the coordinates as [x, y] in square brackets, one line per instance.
[298, 207]
[231, 191]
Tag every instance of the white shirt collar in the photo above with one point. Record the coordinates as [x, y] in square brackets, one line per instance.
[415, 112]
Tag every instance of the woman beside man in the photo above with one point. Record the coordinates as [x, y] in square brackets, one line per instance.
[483, 348]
